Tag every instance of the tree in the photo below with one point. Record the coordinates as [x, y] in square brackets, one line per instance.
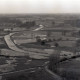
[56, 44]
[53, 59]
[43, 42]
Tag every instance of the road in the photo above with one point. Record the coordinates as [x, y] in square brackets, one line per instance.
[11, 44]
[37, 29]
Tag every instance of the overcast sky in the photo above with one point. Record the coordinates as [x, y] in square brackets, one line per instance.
[39, 6]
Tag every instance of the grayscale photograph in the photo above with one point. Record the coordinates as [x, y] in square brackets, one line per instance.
[39, 40]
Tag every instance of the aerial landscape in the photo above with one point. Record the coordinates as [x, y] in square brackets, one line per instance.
[40, 47]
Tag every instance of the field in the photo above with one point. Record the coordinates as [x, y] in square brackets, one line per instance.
[61, 29]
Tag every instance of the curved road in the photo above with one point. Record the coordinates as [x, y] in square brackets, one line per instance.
[11, 44]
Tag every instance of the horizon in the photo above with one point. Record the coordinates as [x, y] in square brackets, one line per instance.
[39, 6]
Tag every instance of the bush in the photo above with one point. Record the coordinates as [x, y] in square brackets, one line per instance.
[56, 44]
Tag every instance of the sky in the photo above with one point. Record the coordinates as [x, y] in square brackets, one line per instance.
[39, 6]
